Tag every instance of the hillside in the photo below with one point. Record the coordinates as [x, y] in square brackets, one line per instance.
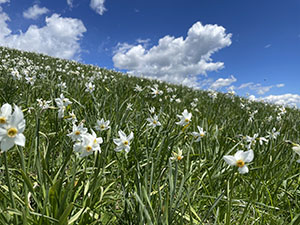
[163, 173]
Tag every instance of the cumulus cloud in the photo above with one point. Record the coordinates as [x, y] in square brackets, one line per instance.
[285, 99]
[98, 6]
[4, 1]
[34, 12]
[221, 82]
[59, 37]
[176, 60]
[258, 88]
[70, 3]
[268, 46]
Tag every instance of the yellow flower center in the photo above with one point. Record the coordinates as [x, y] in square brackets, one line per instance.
[77, 132]
[2, 120]
[179, 157]
[88, 148]
[240, 163]
[102, 127]
[125, 142]
[202, 134]
[12, 132]
[154, 122]
[186, 120]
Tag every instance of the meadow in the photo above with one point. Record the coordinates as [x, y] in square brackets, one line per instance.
[104, 147]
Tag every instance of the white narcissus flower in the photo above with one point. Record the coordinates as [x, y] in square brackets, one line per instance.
[11, 132]
[185, 118]
[77, 132]
[199, 134]
[62, 103]
[296, 149]
[152, 110]
[102, 125]
[90, 87]
[262, 139]
[153, 121]
[43, 104]
[156, 92]
[239, 159]
[89, 144]
[138, 88]
[123, 142]
[273, 134]
[177, 155]
[5, 113]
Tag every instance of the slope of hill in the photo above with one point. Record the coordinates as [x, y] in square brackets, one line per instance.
[155, 163]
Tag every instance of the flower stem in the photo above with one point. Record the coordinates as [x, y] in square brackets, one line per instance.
[9, 186]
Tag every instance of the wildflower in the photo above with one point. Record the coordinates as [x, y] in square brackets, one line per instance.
[156, 92]
[152, 110]
[30, 80]
[262, 139]
[43, 104]
[185, 118]
[123, 142]
[199, 134]
[273, 134]
[62, 103]
[129, 105]
[177, 155]
[102, 125]
[90, 87]
[5, 113]
[251, 140]
[153, 121]
[239, 159]
[11, 132]
[296, 149]
[77, 132]
[88, 145]
[72, 117]
[138, 88]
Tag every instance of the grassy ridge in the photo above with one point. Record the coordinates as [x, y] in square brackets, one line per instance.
[144, 186]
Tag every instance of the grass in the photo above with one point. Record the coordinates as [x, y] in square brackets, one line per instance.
[47, 183]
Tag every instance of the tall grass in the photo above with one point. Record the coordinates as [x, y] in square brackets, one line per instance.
[47, 183]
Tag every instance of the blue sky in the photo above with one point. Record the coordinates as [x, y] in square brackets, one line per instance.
[248, 46]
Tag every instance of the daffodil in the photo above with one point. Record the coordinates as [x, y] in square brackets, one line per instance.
[177, 155]
[273, 134]
[296, 149]
[199, 134]
[240, 159]
[11, 132]
[5, 113]
[77, 132]
[153, 121]
[123, 142]
[89, 144]
[185, 119]
[102, 125]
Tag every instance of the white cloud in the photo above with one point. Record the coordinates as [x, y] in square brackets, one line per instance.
[285, 99]
[70, 3]
[176, 60]
[4, 1]
[280, 85]
[258, 88]
[59, 37]
[98, 6]
[268, 46]
[221, 82]
[34, 12]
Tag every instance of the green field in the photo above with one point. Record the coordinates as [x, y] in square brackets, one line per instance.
[56, 179]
